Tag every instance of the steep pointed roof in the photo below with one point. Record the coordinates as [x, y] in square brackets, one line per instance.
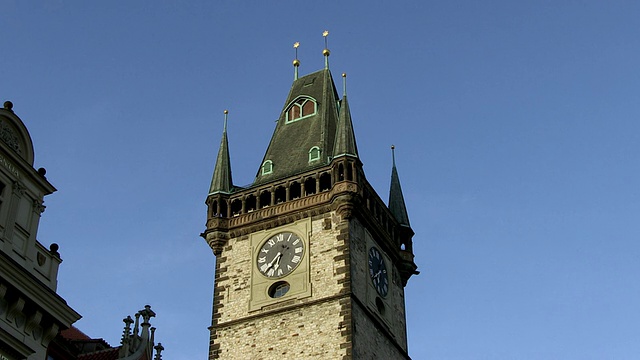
[345, 137]
[293, 139]
[221, 181]
[396, 199]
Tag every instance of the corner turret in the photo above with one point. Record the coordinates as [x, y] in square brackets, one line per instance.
[221, 181]
[398, 209]
[345, 144]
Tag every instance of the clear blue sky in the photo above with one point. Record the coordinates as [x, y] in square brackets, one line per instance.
[516, 127]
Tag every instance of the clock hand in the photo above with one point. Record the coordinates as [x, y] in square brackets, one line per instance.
[276, 258]
[277, 264]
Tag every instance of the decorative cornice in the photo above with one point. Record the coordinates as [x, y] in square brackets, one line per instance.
[40, 294]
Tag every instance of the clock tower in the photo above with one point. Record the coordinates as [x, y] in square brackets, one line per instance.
[310, 262]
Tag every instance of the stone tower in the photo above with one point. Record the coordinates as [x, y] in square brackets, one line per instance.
[310, 262]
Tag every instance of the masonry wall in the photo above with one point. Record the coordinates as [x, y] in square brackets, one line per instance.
[369, 340]
[367, 318]
[315, 326]
[304, 333]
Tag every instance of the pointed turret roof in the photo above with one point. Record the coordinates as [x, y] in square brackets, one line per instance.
[221, 181]
[293, 139]
[345, 137]
[396, 199]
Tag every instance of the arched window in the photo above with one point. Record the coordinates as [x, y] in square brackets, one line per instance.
[314, 154]
[223, 208]
[236, 207]
[267, 167]
[341, 172]
[281, 194]
[265, 199]
[214, 208]
[325, 182]
[294, 190]
[309, 186]
[301, 108]
[251, 203]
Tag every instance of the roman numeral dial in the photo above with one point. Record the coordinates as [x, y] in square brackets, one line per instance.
[378, 272]
[280, 254]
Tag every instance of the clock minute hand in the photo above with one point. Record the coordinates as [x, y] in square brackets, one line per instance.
[275, 260]
[279, 257]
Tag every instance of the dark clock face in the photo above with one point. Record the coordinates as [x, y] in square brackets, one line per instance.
[280, 255]
[378, 272]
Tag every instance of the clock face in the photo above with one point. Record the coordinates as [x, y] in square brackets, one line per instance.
[378, 272]
[280, 255]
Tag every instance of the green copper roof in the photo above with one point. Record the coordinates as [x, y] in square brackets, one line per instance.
[345, 138]
[221, 181]
[291, 142]
[396, 200]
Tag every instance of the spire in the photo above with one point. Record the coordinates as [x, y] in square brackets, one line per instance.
[345, 138]
[221, 181]
[396, 200]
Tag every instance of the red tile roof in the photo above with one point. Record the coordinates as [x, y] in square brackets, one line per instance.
[108, 354]
[73, 333]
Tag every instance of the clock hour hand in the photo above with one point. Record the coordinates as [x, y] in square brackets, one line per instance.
[377, 274]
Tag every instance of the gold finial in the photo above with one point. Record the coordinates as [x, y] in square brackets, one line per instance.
[226, 112]
[296, 62]
[326, 47]
[326, 51]
[344, 84]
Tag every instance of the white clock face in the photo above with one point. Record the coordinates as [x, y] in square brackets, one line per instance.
[280, 255]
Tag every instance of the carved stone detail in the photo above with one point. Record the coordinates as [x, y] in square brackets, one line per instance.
[216, 240]
[15, 311]
[41, 259]
[9, 137]
[32, 322]
[38, 206]
[18, 188]
[50, 333]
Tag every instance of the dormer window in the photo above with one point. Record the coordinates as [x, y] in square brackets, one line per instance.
[267, 167]
[314, 154]
[300, 109]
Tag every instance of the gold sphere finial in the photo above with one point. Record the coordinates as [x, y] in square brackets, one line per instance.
[296, 62]
[344, 74]
[226, 112]
[393, 147]
[326, 52]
